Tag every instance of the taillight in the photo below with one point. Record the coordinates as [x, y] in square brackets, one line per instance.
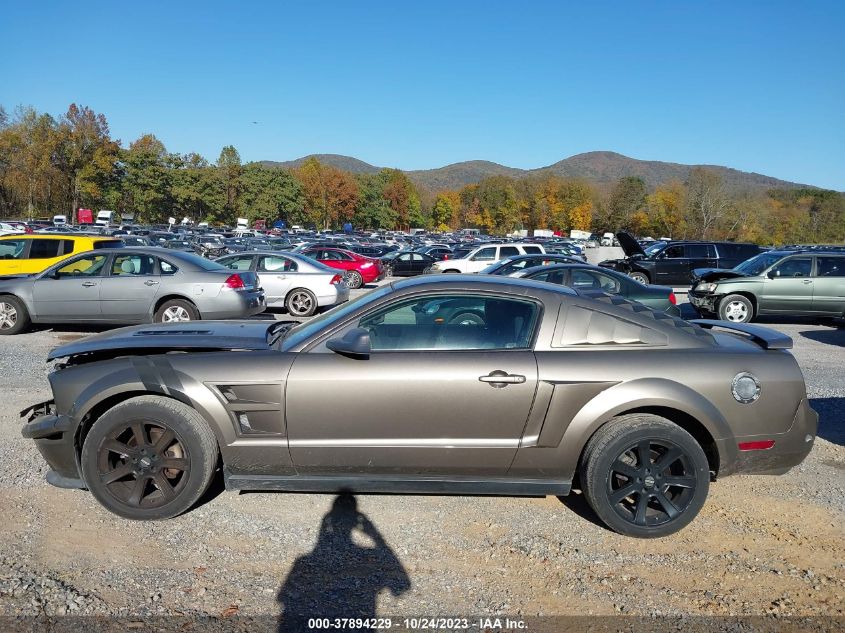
[673, 299]
[445, 257]
[336, 280]
[234, 282]
[28, 230]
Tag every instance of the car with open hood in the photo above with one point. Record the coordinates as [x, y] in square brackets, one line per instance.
[671, 263]
[806, 283]
[399, 391]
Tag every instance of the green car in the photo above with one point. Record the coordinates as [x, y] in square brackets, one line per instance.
[793, 283]
[587, 277]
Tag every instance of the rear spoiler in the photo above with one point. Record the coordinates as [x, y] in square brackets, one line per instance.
[763, 336]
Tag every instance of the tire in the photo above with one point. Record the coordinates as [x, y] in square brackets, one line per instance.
[176, 311]
[467, 318]
[301, 302]
[388, 271]
[736, 309]
[611, 465]
[14, 317]
[353, 279]
[154, 431]
[641, 277]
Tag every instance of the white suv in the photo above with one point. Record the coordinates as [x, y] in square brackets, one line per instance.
[483, 256]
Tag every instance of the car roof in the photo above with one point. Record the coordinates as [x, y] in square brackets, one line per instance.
[468, 282]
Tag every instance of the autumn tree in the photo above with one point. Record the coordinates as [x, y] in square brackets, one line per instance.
[147, 179]
[706, 200]
[86, 156]
[330, 195]
[665, 210]
[627, 198]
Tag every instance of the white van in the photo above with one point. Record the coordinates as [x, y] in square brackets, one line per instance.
[105, 217]
[485, 255]
[59, 220]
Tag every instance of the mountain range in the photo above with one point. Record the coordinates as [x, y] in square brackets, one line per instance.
[601, 168]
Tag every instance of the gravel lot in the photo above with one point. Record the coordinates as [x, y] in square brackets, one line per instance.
[767, 546]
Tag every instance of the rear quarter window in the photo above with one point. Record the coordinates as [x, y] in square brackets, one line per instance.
[582, 327]
[44, 249]
[830, 266]
[532, 249]
[108, 244]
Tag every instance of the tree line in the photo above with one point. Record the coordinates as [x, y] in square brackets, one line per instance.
[54, 165]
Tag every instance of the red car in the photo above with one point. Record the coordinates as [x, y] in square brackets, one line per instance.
[359, 270]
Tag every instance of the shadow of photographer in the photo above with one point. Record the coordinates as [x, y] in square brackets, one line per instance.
[340, 579]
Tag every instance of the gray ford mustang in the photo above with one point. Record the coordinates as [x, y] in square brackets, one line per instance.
[400, 391]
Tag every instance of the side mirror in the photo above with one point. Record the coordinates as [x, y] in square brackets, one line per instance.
[354, 344]
[772, 274]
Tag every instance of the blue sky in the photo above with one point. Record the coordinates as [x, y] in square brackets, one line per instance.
[759, 86]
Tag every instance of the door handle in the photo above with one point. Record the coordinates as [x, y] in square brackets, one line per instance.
[500, 379]
[808, 281]
[150, 282]
[88, 284]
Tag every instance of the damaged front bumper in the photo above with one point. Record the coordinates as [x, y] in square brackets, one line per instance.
[54, 436]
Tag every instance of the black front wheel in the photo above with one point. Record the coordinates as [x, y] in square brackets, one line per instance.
[149, 458]
[644, 476]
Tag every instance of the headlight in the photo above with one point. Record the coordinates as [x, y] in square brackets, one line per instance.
[745, 388]
[706, 287]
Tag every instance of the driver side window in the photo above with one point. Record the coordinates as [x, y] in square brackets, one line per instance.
[485, 255]
[452, 322]
[89, 266]
[794, 267]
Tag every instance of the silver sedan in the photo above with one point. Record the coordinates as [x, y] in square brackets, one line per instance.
[126, 286]
[291, 280]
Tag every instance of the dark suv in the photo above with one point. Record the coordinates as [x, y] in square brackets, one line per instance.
[672, 263]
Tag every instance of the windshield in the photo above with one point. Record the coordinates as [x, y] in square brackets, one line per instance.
[654, 247]
[494, 267]
[757, 264]
[306, 330]
[196, 260]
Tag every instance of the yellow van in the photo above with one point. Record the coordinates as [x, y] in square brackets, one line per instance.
[32, 253]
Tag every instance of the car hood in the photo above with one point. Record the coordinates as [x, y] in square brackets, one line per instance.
[160, 338]
[629, 244]
[715, 274]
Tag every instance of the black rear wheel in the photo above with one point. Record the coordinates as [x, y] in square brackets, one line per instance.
[644, 476]
[149, 458]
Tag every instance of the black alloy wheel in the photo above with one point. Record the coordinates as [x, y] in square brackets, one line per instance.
[651, 482]
[644, 476]
[149, 458]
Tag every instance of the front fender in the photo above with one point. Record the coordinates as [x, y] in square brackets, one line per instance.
[124, 378]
